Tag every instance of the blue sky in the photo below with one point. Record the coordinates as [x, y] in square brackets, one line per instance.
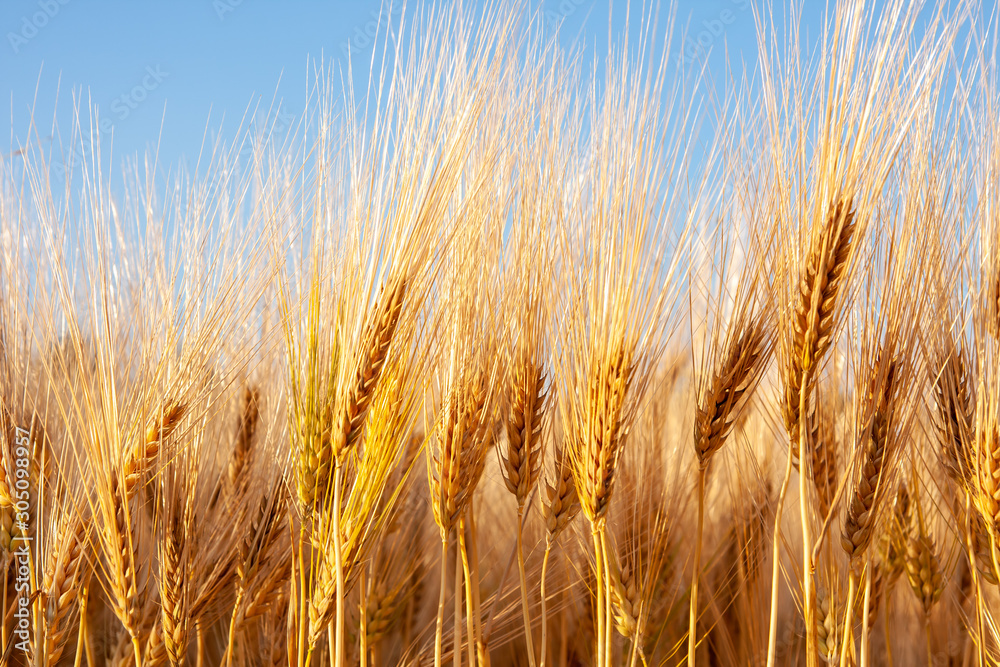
[168, 70]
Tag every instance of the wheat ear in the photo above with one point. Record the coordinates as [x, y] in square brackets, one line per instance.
[140, 457]
[375, 344]
[61, 582]
[954, 417]
[240, 460]
[871, 481]
[173, 592]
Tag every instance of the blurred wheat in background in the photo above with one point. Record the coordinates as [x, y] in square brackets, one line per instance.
[500, 361]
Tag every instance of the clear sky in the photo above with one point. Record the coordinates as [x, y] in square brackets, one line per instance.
[169, 70]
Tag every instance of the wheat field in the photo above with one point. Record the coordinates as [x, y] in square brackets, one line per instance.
[511, 359]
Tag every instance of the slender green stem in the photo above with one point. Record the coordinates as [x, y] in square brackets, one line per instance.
[772, 633]
[524, 587]
[545, 569]
[693, 611]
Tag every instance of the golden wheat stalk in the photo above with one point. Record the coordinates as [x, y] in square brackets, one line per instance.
[719, 406]
[809, 334]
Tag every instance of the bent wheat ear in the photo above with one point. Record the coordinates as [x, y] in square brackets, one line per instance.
[719, 407]
[141, 456]
[374, 350]
[813, 323]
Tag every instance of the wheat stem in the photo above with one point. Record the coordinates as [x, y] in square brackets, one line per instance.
[772, 633]
[524, 587]
[81, 636]
[456, 642]
[338, 490]
[805, 472]
[927, 637]
[848, 640]
[200, 644]
[608, 625]
[439, 631]
[482, 651]
[693, 612]
[363, 630]
[545, 570]
[469, 610]
[228, 658]
[137, 650]
[599, 585]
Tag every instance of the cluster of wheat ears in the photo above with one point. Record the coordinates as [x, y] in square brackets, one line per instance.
[714, 363]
